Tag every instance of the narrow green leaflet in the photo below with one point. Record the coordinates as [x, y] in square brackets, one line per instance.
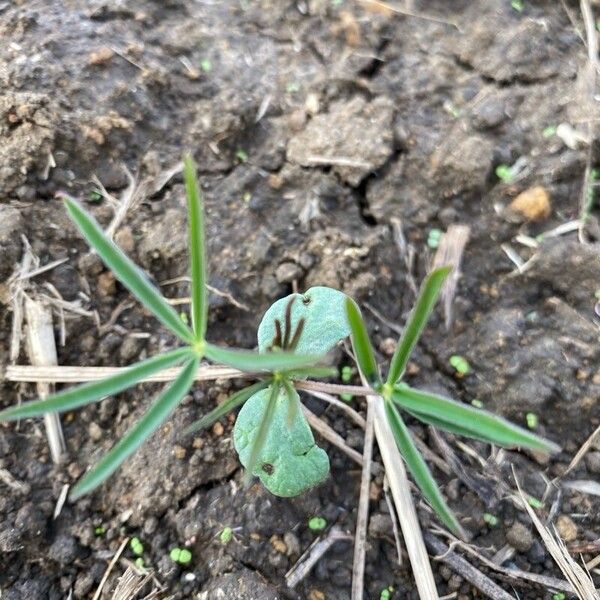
[481, 423]
[263, 429]
[312, 372]
[321, 311]
[230, 404]
[290, 462]
[365, 357]
[293, 402]
[419, 469]
[158, 413]
[245, 360]
[96, 390]
[417, 320]
[127, 272]
[197, 250]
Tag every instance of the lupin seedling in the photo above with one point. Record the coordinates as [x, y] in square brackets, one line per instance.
[271, 433]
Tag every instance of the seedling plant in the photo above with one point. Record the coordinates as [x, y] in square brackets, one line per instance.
[271, 435]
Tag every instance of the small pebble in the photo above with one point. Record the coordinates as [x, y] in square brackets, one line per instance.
[532, 204]
[107, 284]
[519, 537]
[95, 432]
[101, 56]
[278, 544]
[566, 528]
[592, 462]
[179, 452]
[288, 271]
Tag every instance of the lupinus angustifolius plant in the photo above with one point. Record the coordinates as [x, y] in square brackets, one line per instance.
[271, 434]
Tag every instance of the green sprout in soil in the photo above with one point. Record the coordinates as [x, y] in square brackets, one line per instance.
[206, 65]
[271, 435]
[99, 531]
[549, 131]
[317, 523]
[505, 173]
[386, 593]
[559, 596]
[460, 364]
[346, 376]
[532, 420]
[491, 520]
[241, 155]
[535, 503]
[433, 239]
[139, 563]
[181, 556]
[477, 403]
[226, 535]
[518, 5]
[136, 546]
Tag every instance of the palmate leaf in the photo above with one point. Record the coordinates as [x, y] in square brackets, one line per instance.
[157, 414]
[96, 390]
[417, 320]
[467, 420]
[197, 250]
[228, 405]
[127, 272]
[365, 357]
[245, 360]
[419, 469]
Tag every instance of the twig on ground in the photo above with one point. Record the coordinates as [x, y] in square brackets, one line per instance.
[13, 483]
[185, 278]
[348, 410]
[42, 351]
[592, 75]
[512, 574]
[465, 569]
[313, 554]
[332, 436]
[389, 8]
[582, 451]
[110, 567]
[362, 517]
[393, 326]
[450, 252]
[130, 585]
[62, 498]
[394, 517]
[574, 573]
[405, 508]
[406, 251]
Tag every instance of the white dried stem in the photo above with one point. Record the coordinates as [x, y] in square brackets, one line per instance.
[362, 518]
[42, 351]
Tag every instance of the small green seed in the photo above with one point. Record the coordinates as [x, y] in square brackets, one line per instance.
[532, 420]
[491, 520]
[136, 546]
[460, 364]
[386, 593]
[504, 173]
[317, 524]
[534, 502]
[347, 372]
[226, 535]
[433, 239]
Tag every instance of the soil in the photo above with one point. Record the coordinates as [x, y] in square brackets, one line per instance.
[316, 125]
